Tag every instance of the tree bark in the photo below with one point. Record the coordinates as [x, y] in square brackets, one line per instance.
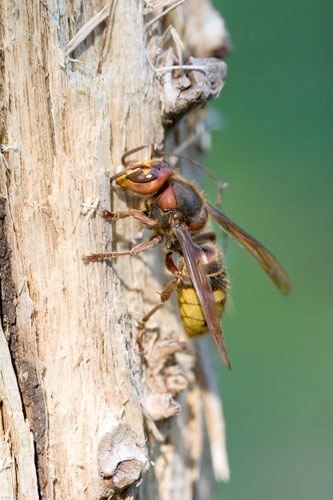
[87, 397]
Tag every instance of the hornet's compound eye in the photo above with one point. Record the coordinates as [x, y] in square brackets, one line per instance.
[140, 177]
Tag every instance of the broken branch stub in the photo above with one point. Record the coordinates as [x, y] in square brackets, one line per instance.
[183, 90]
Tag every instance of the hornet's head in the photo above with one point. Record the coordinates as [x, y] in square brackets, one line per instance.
[145, 178]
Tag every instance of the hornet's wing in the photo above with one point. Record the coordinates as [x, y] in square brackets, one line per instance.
[263, 256]
[193, 257]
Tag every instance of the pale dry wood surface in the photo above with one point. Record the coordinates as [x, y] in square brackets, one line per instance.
[85, 389]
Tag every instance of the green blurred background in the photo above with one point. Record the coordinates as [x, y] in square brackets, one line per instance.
[275, 151]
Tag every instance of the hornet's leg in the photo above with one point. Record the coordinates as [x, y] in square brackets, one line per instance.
[140, 216]
[146, 245]
[165, 295]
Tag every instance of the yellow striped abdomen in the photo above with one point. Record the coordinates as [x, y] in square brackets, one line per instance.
[191, 311]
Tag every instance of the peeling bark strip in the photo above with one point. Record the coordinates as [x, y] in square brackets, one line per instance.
[7, 287]
[27, 375]
[100, 413]
[17, 467]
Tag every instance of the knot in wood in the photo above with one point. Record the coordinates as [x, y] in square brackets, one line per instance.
[121, 461]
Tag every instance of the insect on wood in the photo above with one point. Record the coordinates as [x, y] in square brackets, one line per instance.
[177, 214]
